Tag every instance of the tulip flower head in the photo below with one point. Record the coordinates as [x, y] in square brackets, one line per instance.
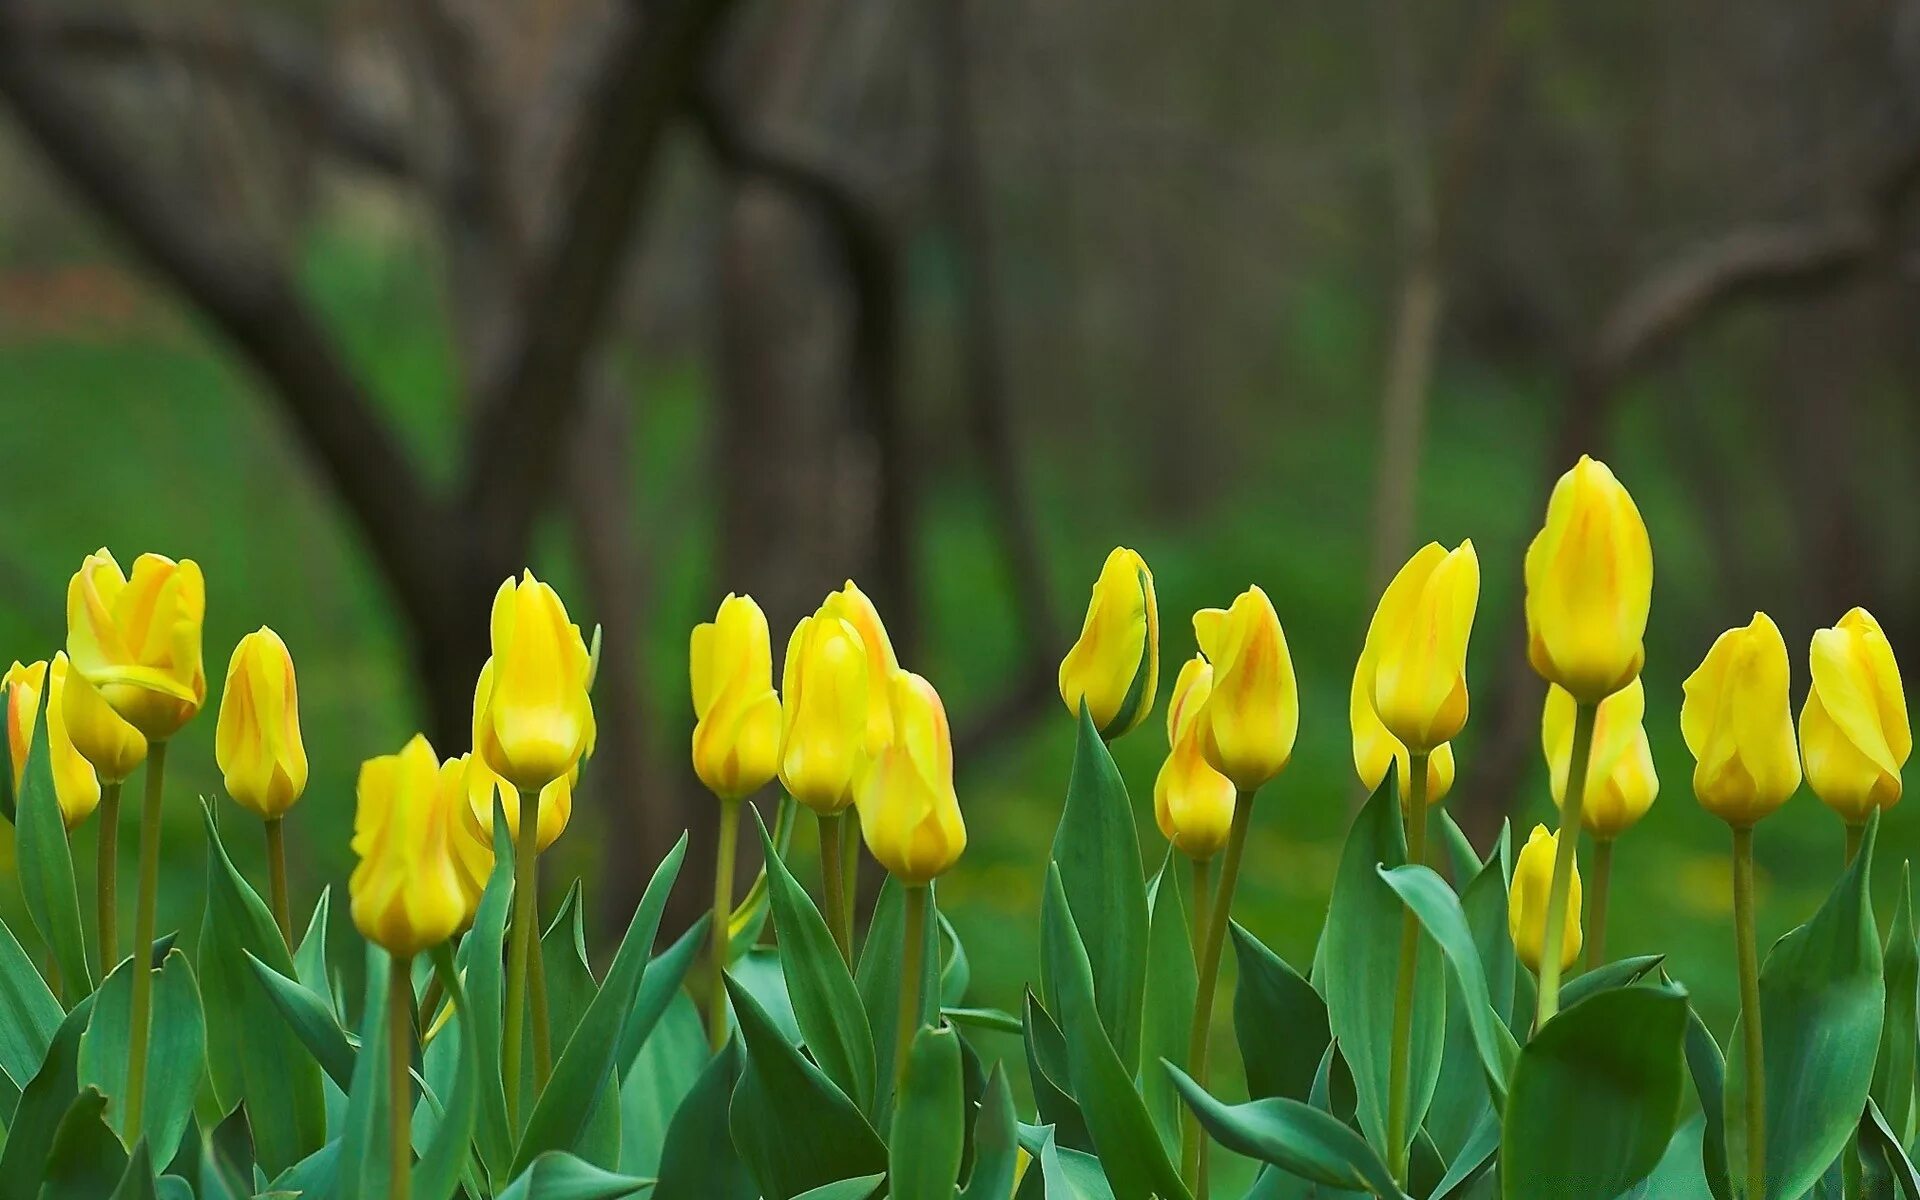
[1375, 749]
[1114, 669]
[75, 785]
[533, 718]
[823, 734]
[483, 787]
[851, 605]
[1419, 639]
[909, 814]
[407, 890]
[137, 639]
[1192, 802]
[257, 740]
[1589, 584]
[1250, 718]
[736, 742]
[100, 735]
[1738, 724]
[1621, 782]
[1854, 732]
[1527, 903]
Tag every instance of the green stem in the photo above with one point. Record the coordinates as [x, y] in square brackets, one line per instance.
[430, 999]
[1855, 834]
[1192, 1156]
[538, 1014]
[143, 921]
[722, 911]
[526, 916]
[1853, 1183]
[1399, 1102]
[107, 877]
[850, 868]
[277, 875]
[1567, 844]
[399, 1082]
[833, 882]
[1747, 949]
[1597, 906]
[912, 963]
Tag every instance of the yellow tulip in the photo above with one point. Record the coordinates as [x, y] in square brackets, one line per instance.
[1854, 733]
[556, 805]
[472, 837]
[100, 735]
[1114, 669]
[75, 785]
[257, 740]
[1192, 802]
[1250, 717]
[407, 891]
[909, 814]
[138, 639]
[851, 605]
[1589, 582]
[1422, 625]
[1374, 747]
[736, 743]
[533, 719]
[1621, 782]
[1737, 723]
[823, 732]
[1527, 903]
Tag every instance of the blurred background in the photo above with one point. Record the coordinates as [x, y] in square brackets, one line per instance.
[364, 306]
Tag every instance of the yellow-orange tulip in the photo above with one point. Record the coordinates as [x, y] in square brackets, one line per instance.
[1589, 583]
[851, 605]
[533, 718]
[1192, 802]
[1375, 749]
[1421, 629]
[909, 814]
[1738, 724]
[1527, 903]
[1251, 716]
[407, 891]
[823, 734]
[257, 740]
[1621, 782]
[75, 785]
[1854, 732]
[1114, 669]
[137, 639]
[736, 743]
[101, 736]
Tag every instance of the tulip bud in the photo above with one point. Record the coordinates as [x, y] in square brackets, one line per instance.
[100, 735]
[555, 805]
[1621, 782]
[1250, 717]
[257, 740]
[1589, 582]
[533, 720]
[1114, 669]
[909, 814]
[1192, 802]
[1423, 622]
[472, 838]
[1527, 903]
[407, 891]
[823, 730]
[1737, 723]
[736, 743]
[1374, 747]
[137, 639]
[851, 605]
[75, 785]
[1854, 735]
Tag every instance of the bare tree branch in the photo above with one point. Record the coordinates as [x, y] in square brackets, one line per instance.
[484, 142]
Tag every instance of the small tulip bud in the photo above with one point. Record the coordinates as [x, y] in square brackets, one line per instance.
[823, 712]
[1621, 781]
[1251, 716]
[1424, 620]
[1854, 734]
[407, 890]
[75, 784]
[1527, 903]
[1114, 669]
[257, 740]
[1738, 724]
[909, 814]
[736, 743]
[533, 719]
[1192, 802]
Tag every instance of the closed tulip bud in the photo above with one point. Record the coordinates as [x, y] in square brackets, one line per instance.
[736, 742]
[75, 785]
[909, 814]
[1589, 582]
[533, 719]
[1192, 802]
[257, 741]
[1737, 723]
[472, 837]
[1854, 735]
[1527, 903]
[1423, 623]
[1249, 720]
[138, 639]
[1621, 782]
[1375, 749]
[555, 805]
[823, 734]
[1114, 669]
[100, 735]
[407, 891]
[851, 605]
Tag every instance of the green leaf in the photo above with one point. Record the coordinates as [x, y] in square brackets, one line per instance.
[43, 1103]
[1893, 1068]
[29, 1014]
[926, 1141]
[313, 1175]
[1048, 1075]
[878, 975]
[1461, 1101]
[749, 917]
[1678, 1175]
[176, 1048]
[1473, 1159]
[1623, 972]
[85, 1160]
[311, 1020]
[993, 1020]
[45, 862]
[659, 991]
[1708, 1069]
[956, 972]
[480, 956]
[444, 1157]
[1594, 1097]
[136, 1183]
[1879, 1143]
[698, 1160]
[1280, 1021]
[1071, 1174]
[1171, 986]
[658, 1079]
[365, 1147]
[570, 982]
[1298, 1138]
[996, 1148]
[558, 1176]
[1129, 1149]
[310, 958]
[1096, 851]
[846, 1189]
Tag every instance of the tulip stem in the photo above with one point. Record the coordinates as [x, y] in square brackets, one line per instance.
[143, 921]
[526, 915]
[1399, 1102]
[107, 877]
[1747, 950]
[850, 869]
[1194, 1152]
[399, 1082]
[912, 964]
[537, 1008]
[722, 913]
[1567, 843]
[1190, 1156]
[833, 884]
[1597, 914]
[1855, 834]
[277, 875]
